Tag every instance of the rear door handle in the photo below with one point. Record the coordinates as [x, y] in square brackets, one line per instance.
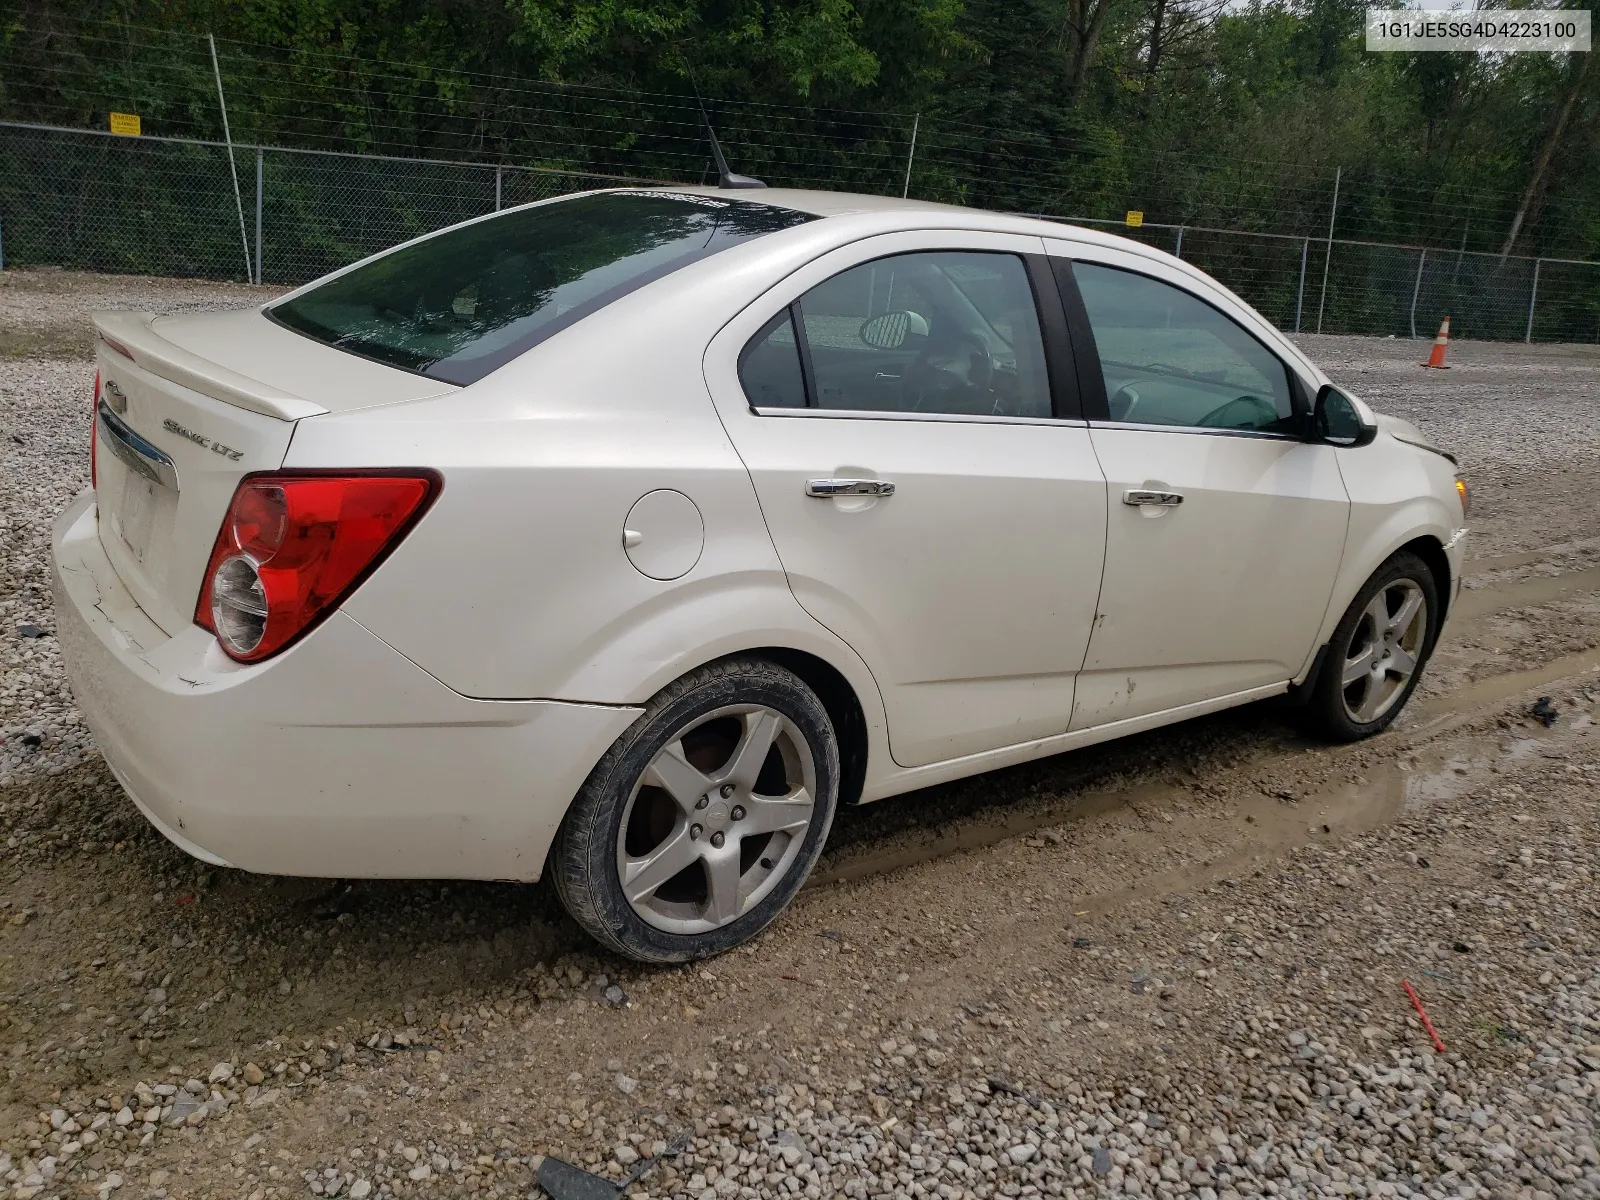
[826, 489]
[1140, 496]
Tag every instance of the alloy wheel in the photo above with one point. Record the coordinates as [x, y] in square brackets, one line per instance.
[1384, 651]
[717, 820]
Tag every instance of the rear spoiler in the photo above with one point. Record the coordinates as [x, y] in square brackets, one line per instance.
[130, 334]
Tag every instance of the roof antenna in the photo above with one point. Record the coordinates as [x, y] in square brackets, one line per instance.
[725, 177]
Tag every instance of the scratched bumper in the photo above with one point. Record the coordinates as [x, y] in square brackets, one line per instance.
[338, 758]
[1455, 550]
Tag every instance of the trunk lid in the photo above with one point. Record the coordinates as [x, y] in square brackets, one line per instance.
[194, 405]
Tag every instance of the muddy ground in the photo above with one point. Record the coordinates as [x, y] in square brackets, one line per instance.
[1132, 936]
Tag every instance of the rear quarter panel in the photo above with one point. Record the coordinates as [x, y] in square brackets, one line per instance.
[516, 584]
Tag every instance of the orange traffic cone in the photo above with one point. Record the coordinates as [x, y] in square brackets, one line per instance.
[1440, 343]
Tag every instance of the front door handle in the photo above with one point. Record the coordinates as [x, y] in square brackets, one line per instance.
[826, 489]
[1141, 496]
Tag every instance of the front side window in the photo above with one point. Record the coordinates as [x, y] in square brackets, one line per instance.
[1169, 358]
[457, 305]
[941, 332]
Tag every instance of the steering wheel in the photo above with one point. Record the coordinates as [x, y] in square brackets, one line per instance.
[950, 375]
[1122, 403]
[1246, 412]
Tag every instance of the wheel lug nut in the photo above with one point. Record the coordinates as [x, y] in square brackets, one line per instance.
[717, 839]
[702, 802]
[727, 790]
[738, 812]
[694, 833]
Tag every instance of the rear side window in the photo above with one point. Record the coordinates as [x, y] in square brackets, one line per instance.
[948, 332]
[458, 305]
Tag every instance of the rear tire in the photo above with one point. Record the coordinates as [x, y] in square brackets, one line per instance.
[704, 818]
[1377, 654]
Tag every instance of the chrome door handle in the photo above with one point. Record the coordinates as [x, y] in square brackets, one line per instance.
[825, 489]
[1141, 497]
[136, 453]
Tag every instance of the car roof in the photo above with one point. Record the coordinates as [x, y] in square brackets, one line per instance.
[822, 204]
[846, 204]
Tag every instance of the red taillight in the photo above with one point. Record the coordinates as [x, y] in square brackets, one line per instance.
[294, 545]
[94, 433]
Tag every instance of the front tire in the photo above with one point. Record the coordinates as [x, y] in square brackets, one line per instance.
[704, 818]
[1377, 654]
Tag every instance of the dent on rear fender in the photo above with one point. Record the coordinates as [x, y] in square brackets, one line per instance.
[647, 648]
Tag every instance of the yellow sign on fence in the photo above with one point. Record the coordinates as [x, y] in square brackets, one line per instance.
[1135, 218]
[127, 124]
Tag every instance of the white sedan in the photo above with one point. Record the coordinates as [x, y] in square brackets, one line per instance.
[626, 536]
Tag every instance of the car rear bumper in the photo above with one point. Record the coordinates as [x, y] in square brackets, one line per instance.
[338, 758]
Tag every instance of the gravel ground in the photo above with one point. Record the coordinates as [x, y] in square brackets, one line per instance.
[44, 432]
[45, 314]
[46, 366]
[1169, 966]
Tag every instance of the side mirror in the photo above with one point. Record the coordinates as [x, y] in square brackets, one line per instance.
[888, 331]
[1338, 421]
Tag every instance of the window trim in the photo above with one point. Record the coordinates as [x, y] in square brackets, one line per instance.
[1091, 380]
[1085, 354]
[802, 345]
[1259, 434]
[1060, 362]
[873, 414]
[1060, 373]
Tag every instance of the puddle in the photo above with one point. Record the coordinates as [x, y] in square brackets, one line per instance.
[1523, 748]
[1497, 689]
[1476, 603]
[1528, 558]
[1256, 825]
[977, 835]
[1230, 837]
[1249, 825]
[1428, 779]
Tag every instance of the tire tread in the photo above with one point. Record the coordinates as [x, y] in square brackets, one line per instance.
[1324, 712]
[582, 857]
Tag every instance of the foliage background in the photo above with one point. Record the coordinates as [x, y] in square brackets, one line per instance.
[1195, 111]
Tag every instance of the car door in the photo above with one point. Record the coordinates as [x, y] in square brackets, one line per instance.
[1225, 525]
[912, 431]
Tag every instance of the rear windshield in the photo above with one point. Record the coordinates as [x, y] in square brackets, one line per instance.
[456, 306]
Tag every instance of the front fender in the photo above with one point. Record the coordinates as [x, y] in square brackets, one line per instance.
[1398, 494]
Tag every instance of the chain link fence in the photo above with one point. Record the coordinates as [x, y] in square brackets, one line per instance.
[1322, 285]
[165, 206]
